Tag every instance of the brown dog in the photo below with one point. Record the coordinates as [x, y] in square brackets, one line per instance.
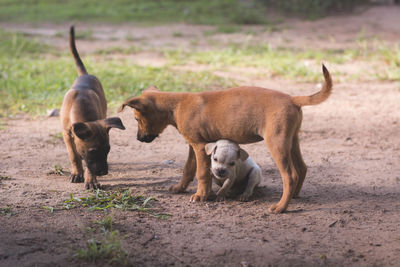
[242, 115]
[84, 124]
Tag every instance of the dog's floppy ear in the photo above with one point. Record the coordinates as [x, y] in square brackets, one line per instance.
[81, 130]
[138, 103]
[210, 148]
[243, 155]
[113, 122]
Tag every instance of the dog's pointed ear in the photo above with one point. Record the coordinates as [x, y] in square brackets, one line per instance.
[137, 103]
[243, 155]
[113, 122]
[81, 130]
[152, 88]
[210, 148]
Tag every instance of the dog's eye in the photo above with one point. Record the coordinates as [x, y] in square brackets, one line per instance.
[215, 159]
[136, 119]
[232, 163]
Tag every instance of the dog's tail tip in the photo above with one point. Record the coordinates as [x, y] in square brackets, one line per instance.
[325, 71]
[318, 97]
[78, 62]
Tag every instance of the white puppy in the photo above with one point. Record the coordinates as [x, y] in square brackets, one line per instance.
[233, 169]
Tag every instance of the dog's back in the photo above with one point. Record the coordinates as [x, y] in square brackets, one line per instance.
[85, 89]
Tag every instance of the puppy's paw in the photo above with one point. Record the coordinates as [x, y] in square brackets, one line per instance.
[244, 197]
[177, 188]
[197, 197]
[277, 208]
[220, 198]
[92, 185]
[76, 178]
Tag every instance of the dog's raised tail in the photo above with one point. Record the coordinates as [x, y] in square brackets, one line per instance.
[78, 61]
[319, 97]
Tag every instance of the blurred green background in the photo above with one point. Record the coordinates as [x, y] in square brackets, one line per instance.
[35, 74]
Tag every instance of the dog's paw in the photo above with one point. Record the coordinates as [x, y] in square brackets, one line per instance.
[92, 185]
[176, 189]
[277, 208]
[76, 178]
[220, 198]
[197, 197]
[244, 197]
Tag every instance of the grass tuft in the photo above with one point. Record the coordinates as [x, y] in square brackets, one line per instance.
[4, 177]
[58, 170]
[107, 248]
[119, 199]
[7, 210]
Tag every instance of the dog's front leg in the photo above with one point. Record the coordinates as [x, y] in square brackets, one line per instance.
[90, 180]
[222, 192]
[254, 180]
[76, 162]
[202, 173]
[188, 173]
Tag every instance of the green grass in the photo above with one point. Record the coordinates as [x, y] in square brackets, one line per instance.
[287, 63]
[34, 77]
[58, 170]
[291, 63]
[119, 199]
[118, 50]
[142, 11]
[33, 81]
[55, 138]
[7, 211]
[4, 177]
[104, 248]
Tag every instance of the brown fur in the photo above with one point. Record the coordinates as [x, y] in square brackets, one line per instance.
[242, 115]
[84, 125]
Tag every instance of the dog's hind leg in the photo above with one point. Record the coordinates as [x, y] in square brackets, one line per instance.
[299, 164]
[280, 147]
[188, 173]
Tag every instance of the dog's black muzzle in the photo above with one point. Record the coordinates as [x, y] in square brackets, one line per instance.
[146, 138]
[98, 168]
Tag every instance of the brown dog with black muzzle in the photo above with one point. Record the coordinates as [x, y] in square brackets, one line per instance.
[85, 127]
[242, 115]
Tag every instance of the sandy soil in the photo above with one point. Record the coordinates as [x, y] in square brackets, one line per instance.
[347, 214]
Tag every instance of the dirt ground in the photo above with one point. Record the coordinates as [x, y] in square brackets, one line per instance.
[347, 213]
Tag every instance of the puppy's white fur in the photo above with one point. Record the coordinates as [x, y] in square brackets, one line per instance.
[232, 167]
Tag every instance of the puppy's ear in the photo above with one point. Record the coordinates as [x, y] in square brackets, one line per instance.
[152, 88]
[243, 154]
[81, 130]
[113, 122]
[138, 103]
[210, 147]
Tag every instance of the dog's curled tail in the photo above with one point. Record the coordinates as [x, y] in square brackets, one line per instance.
[78, 61]
[319, 97]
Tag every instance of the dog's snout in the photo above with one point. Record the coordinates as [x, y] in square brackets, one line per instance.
[103, 172]
[98, 169]
[221, 172]
[146, 138]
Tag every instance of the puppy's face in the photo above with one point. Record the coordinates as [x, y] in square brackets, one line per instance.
[92, 142]
[225, 155]
[151, 121]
